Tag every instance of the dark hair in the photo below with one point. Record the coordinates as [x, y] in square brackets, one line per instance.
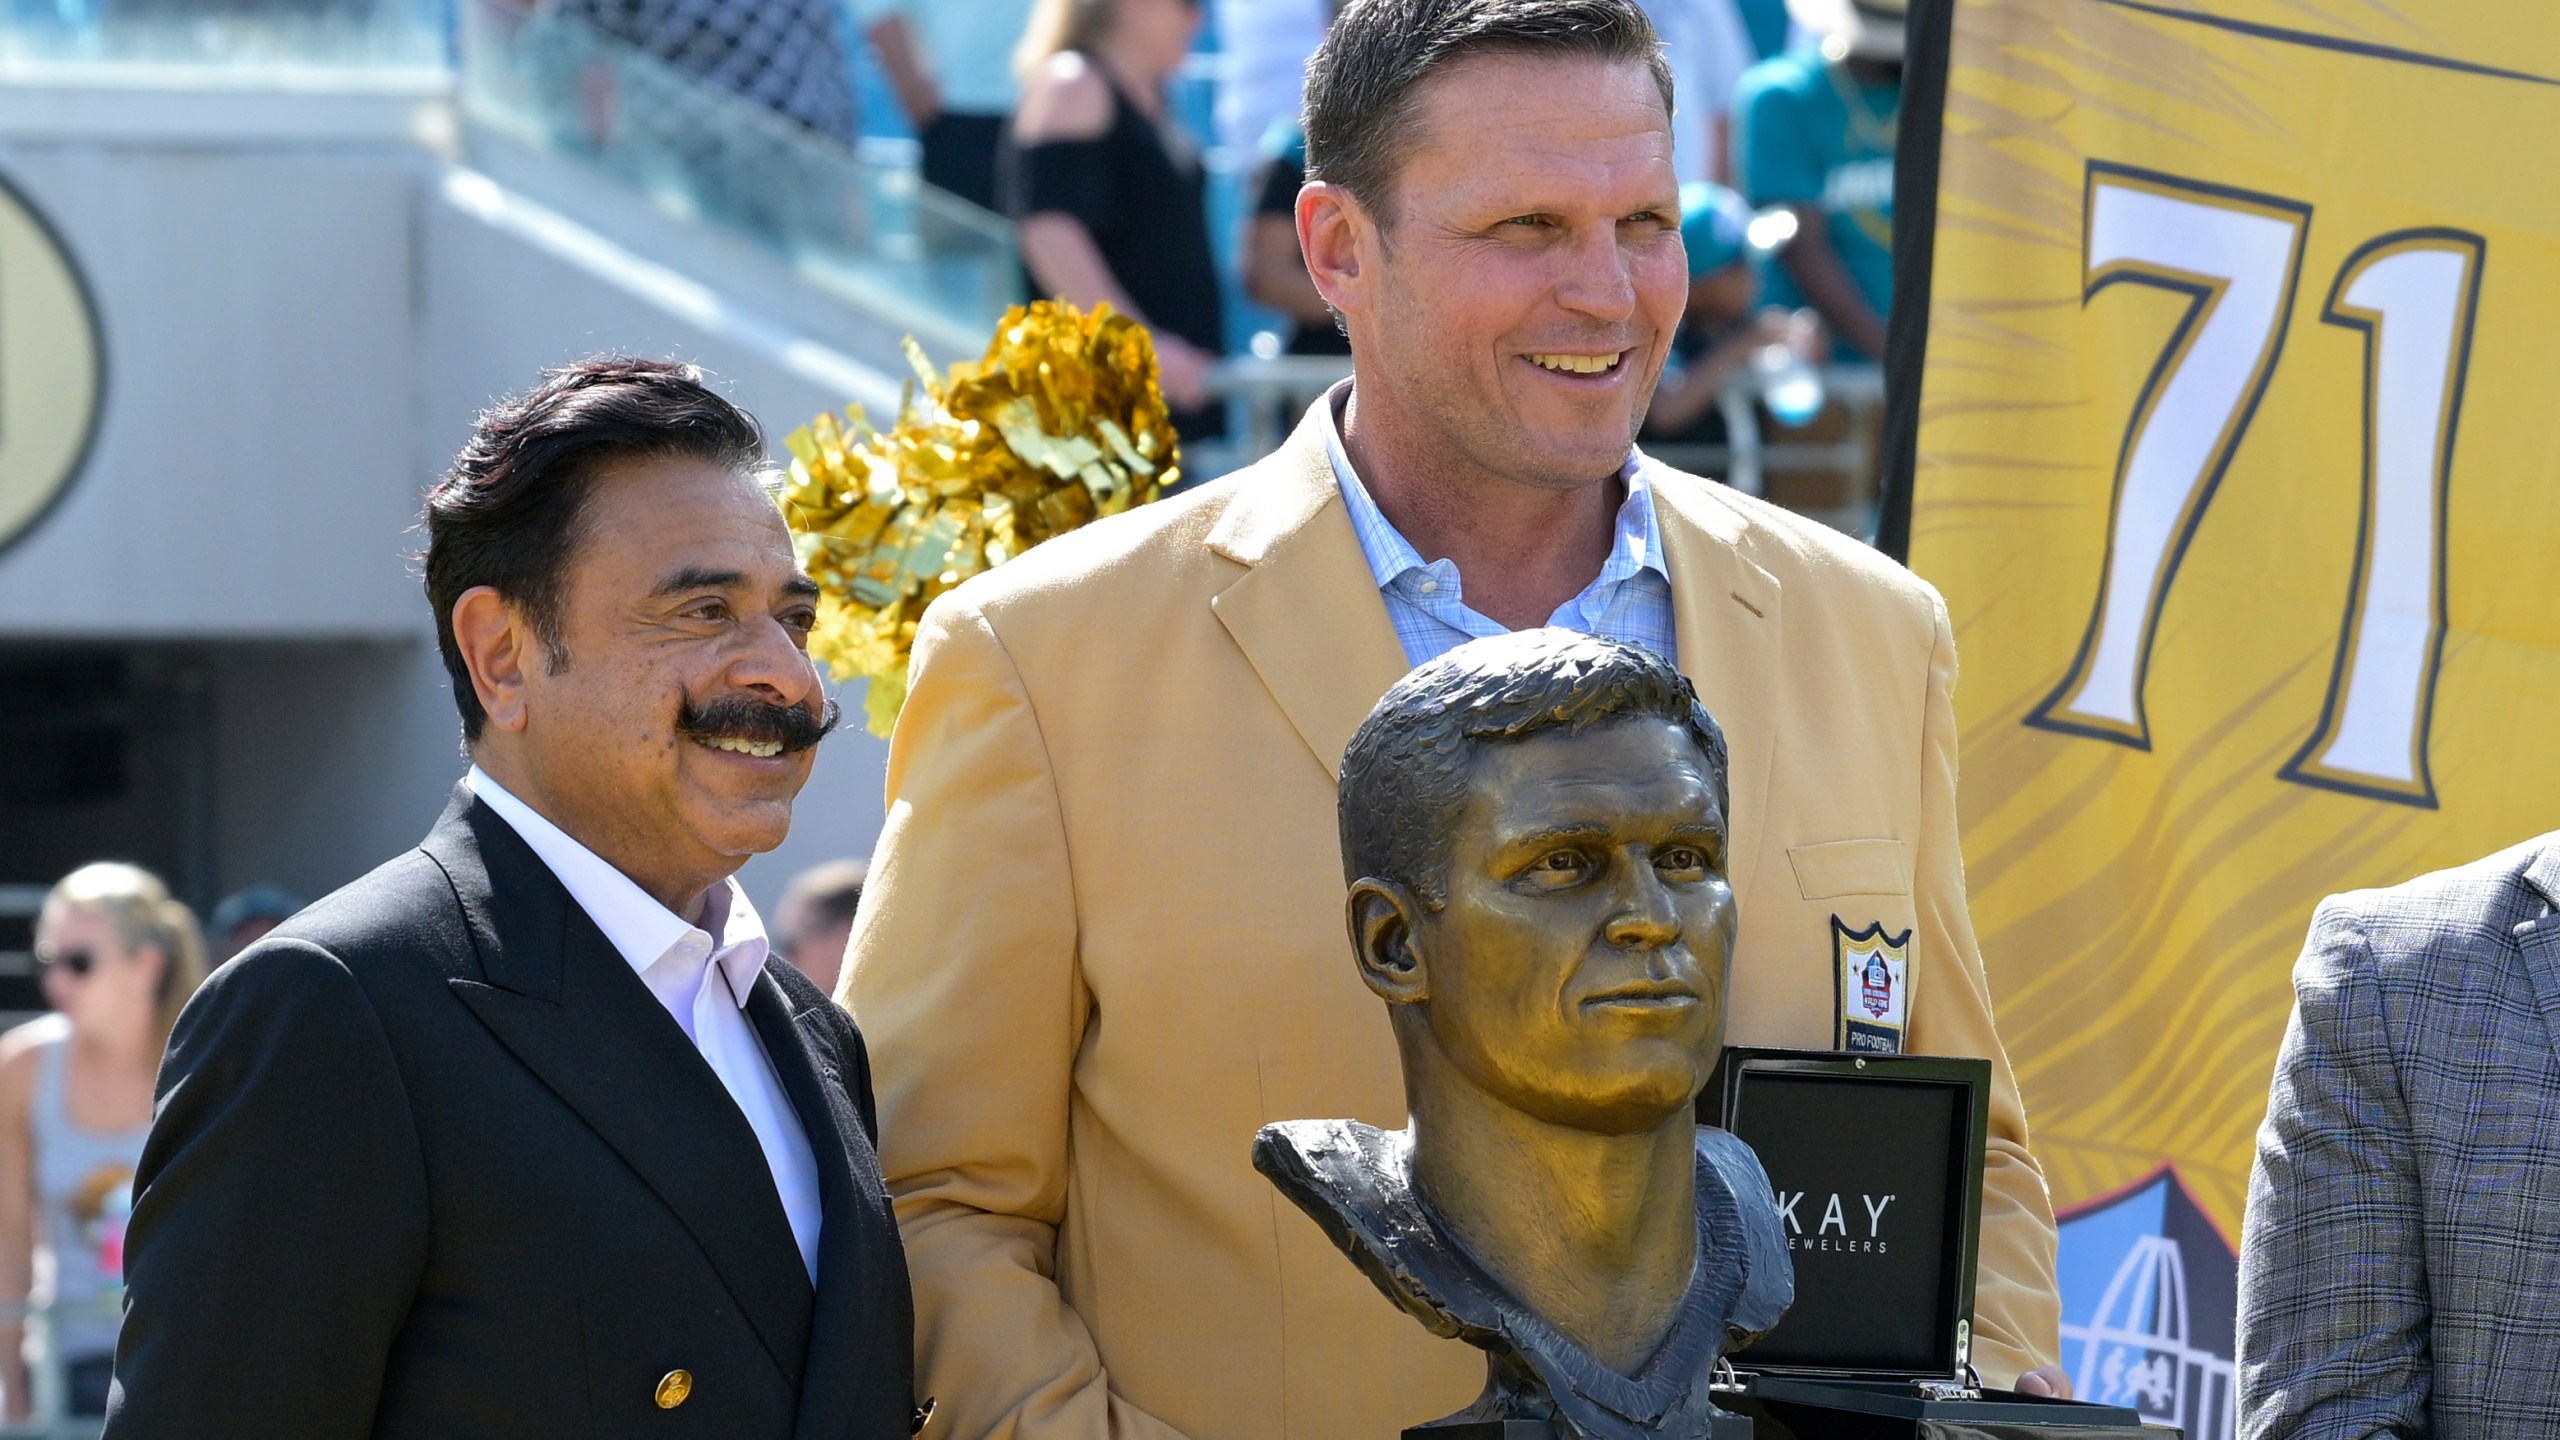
[1410, 765]
[1365, 83]
[829, 893]
[507, 514]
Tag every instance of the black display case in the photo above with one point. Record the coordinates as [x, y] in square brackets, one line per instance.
[1877, 1163]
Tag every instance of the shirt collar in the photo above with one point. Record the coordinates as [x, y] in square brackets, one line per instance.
[1636, 546]
[640, 929]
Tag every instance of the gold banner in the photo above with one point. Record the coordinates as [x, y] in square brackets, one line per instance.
[2238, 466]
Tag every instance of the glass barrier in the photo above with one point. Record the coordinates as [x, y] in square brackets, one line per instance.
[856, 221]
[242, 35]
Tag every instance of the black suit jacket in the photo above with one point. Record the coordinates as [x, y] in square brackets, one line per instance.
[430, 1160]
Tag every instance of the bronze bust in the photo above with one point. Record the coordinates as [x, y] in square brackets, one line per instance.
[1533, 828]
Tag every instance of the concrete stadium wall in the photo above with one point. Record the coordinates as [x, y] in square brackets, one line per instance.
[304, 299]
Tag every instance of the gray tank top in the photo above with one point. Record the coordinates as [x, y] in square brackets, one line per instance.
[84, 1193]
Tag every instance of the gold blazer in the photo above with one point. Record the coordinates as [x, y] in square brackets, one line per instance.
[1103, 943]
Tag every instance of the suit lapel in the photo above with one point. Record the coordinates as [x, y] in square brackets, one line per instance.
[1306, 612]
[1726, 612]
[567, 1005]
[2538, 939]
[849, 1238]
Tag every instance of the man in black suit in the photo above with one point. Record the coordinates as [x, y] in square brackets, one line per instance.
[527, 1134]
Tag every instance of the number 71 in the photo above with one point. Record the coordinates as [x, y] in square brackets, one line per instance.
[2237, 256]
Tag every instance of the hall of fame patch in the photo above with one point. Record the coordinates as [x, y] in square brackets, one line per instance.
[1873, 973]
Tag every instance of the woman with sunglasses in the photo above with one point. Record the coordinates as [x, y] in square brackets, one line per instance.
[119, 958]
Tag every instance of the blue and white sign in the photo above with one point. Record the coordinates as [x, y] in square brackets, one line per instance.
[2149, 1296]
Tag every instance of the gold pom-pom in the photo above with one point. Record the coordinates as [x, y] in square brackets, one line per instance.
[1060, 422]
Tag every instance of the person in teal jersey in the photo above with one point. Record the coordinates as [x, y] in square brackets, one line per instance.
[1814, 132]
[1766, 23]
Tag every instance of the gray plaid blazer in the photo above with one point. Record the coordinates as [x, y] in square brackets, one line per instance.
[2400, 1266]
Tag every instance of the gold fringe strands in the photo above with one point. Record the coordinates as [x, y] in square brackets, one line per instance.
[1060, 422]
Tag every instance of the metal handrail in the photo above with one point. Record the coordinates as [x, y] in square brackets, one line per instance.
[1747, 456]
[184, 45]
[855, 220]
[48, 1376]
[1266, 394]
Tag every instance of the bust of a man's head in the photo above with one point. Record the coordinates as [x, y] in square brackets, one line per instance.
[1533, 828]
[1534, 832]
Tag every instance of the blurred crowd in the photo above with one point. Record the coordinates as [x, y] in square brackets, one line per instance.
[117, 957]
[1062, 116]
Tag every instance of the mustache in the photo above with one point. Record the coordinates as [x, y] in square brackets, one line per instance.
[744, 717]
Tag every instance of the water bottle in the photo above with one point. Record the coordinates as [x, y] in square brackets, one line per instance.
[1790, 388]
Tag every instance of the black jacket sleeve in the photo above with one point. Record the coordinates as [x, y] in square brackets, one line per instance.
[280, 1214]
[858, 1080]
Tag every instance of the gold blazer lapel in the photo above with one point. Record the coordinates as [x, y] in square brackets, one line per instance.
[1306, 612]
[1725, 610]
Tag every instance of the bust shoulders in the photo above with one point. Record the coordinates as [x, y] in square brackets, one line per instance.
[1356, 1182]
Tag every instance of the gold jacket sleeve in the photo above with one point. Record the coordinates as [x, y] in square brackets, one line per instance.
[964, 976]
[2016, 1308]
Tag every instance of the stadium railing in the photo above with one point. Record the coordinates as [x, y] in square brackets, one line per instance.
[856, 221]
[48, 1382]
[1266, 396]
[163, 43]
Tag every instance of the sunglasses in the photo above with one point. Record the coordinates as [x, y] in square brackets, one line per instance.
[78, 962]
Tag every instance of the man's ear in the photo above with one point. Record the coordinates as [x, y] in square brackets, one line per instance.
[496, 647]
[1334, 234]
[1383, 916]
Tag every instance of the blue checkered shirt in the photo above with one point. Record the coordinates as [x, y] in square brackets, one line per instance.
[1629, 600]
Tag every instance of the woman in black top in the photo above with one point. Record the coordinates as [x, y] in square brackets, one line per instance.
[1108, 193]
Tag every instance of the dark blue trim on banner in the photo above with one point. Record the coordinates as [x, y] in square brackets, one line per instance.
[2341, 44]
[1927, 37]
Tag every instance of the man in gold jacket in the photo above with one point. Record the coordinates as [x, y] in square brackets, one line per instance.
[1104, 939]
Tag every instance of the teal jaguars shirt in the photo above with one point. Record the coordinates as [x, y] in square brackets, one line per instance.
[1766, 22]
[1805, 133]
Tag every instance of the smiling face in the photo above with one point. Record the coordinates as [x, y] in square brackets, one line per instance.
[1576, 970]
[1515, 307]
[674, 740]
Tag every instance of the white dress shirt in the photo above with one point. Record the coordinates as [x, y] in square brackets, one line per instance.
[1629, 600]
[673, 959]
